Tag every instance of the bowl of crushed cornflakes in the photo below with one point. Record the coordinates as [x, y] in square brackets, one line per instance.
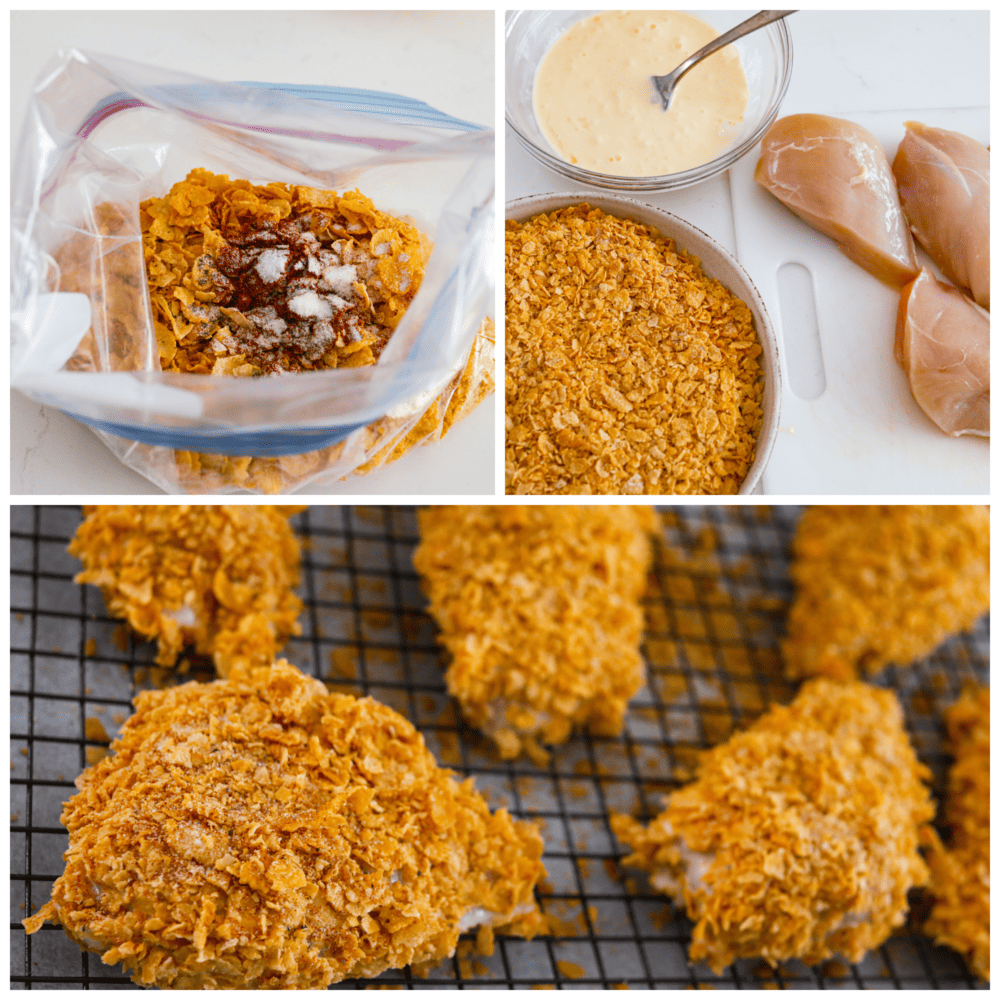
[640, 359]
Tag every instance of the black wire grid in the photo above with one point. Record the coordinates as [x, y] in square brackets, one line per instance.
[715, 616]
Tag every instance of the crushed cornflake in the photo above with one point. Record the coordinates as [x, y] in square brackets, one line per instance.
[539, 609]
[219, 578]
[799, 838]
[628, 370]
[960, 872]
[259, 832]
[93, 729]
[883, 584]
[570, 970]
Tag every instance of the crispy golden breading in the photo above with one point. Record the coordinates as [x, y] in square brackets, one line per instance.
[539, 609]
[799, 837]
[215, 577]
[261, 832]
[883, 584]
[629, 371]
[960, 873]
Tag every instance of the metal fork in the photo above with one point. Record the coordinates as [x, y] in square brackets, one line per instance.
[668, 83]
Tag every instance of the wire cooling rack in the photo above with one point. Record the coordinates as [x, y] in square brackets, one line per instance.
[714, 618]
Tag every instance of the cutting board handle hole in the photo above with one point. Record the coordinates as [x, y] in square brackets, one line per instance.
[800, 331]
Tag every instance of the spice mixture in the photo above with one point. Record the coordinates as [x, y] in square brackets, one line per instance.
[261, 833]
[628, 370]
[883, 584]
[960, 872]
[260, 279]
[218, 578]
[799, 838]
[539, 609]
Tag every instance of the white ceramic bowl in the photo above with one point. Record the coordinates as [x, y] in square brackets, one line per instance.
[767, 60]
[716, 262]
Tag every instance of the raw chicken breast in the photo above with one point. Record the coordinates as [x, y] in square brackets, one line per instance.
[943, 344]
[944, 186]
[834, 174]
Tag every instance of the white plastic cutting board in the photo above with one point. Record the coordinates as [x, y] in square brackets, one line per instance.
[864, 433]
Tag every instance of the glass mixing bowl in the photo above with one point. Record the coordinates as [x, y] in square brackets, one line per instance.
[767, 61]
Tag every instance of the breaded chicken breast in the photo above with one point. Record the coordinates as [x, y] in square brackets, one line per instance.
[883, 584]
[539, 608]
[799, 837]
[960, 872]
[260, 832]
[215, 577]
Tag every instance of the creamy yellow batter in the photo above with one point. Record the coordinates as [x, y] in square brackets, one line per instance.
[596, 103]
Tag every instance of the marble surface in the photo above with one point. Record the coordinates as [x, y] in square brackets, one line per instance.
[444, 58]
[844, 62]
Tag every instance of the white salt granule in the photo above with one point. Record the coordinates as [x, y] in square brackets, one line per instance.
[308, 303]
[341, 279]
[353, 329]
[271, 264]
[184, 616]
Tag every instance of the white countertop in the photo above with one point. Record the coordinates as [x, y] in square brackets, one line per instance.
[444, 58]
[845, 63]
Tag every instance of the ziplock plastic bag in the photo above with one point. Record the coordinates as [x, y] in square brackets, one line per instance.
[104, 134]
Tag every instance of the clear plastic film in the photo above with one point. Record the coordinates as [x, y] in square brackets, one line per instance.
[105, 134]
